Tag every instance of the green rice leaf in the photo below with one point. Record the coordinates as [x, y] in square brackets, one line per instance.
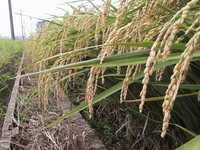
[106, 93]
[166, 8]
[118, 60]
[186, 130]
[136, 9]
[191, 145]
[52, 22]
[179, 46]
[94, 6]
[160, 98]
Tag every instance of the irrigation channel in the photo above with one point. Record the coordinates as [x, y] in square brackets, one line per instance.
[76, 130]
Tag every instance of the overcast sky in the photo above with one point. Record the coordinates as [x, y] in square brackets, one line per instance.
[35, 8]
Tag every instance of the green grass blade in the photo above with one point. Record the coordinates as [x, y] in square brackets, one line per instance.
[94, 5]
[72, 7]
[104, 94]
[191, 145]
[118, 60]
[99, 29]
[75, 51]
[183, 86]
[186, 130]
[127, 58]
[166, 8]
[179, 46]
[52, 22]
[160, 98]
[136, 9]
[68, 16]
[96, 99]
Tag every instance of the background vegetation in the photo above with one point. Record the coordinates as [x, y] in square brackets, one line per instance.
[118, 56]
[10, 55]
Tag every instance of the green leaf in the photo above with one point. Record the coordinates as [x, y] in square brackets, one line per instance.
[106, 93]
[118, 60]
[147, 30]
[160, 98]
[115, 60]
[99, 29]
[52, 22]
[166, 8]
[183, 86]
[136, 9]
[94, 6]
[186, 130]
[69, 16]
[179, 46]
[191, 145]
[84, 105]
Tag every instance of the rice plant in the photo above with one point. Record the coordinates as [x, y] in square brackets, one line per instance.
[136, 54]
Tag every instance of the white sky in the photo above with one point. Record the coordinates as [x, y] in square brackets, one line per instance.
[35, 8]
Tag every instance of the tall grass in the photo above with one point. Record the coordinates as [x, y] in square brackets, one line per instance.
[141, 51]
[9, 50]
[10, 54]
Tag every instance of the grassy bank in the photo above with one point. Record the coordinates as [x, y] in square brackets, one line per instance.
[10, 55]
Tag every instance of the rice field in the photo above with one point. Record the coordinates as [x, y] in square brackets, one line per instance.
[132, 68]
[10, 55]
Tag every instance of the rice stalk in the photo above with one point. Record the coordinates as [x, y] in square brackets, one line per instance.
[134, 22]
[178, 77]
[166, 37]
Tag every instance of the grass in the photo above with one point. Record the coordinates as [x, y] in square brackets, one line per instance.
[10, 55]
[9, 50]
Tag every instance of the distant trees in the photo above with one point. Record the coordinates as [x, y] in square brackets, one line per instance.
[40, 24]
